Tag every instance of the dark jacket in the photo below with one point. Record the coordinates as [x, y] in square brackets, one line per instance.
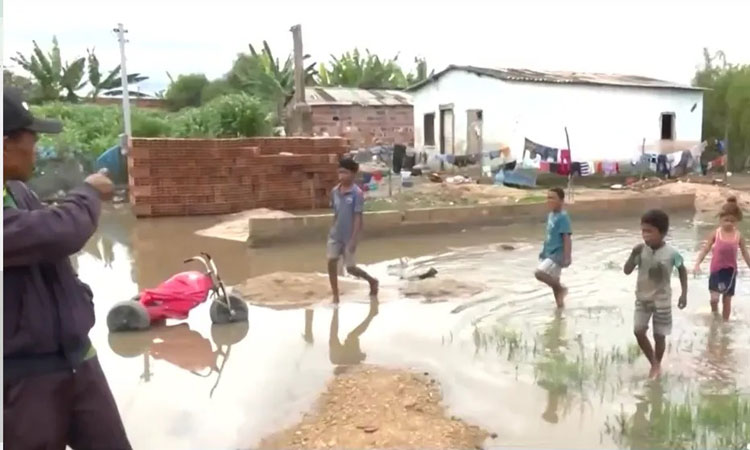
[47, 310]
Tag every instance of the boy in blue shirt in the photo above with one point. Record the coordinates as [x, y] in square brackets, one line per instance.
[557, 248]
[347, 200]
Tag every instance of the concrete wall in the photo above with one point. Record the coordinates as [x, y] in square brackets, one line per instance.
[364, 125]
[176, 177]
[268, 231]
[603, 122]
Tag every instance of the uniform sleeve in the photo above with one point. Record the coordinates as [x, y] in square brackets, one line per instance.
[563, 224]
[677, 260]
[49, 234]
[359, 202]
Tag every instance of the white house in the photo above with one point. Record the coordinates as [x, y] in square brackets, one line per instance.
[464, 110]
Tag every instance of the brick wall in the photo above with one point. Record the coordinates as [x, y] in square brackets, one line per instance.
[363, 125]
[177, 177]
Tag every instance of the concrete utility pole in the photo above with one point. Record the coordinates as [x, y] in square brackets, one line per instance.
[120, 30]
[302, 121]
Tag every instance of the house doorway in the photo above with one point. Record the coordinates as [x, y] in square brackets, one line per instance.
[474, 122]
[447, 123]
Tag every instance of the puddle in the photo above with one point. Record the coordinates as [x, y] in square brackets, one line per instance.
[505, 359]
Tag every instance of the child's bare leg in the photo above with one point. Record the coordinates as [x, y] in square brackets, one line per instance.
[359, 273]
[646, 348]
[553, 282]
[726, 307]
[714, 302]
[660, 344]
[333, 277]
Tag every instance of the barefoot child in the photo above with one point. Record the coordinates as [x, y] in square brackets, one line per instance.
[556, 251]
[653, 293]
[723, 244]
[348, 201]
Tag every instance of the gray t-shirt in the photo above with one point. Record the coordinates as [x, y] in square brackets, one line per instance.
[654, 273]
[346, 205]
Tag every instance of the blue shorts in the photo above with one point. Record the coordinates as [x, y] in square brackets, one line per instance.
[723, 281]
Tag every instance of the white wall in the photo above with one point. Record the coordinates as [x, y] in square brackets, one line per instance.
[604, 122]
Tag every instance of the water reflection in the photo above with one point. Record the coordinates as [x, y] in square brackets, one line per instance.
[350, 352]
[554, 348]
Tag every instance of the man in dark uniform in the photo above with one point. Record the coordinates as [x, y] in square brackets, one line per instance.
[55, 393]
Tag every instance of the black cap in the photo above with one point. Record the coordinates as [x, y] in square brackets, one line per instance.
[16, 115]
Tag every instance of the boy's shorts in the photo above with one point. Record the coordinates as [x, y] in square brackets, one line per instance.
[337, 250]
[549, 267]
[661, 313]
[723, 281]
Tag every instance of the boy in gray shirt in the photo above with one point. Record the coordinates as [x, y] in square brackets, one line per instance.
[653, 293]
[347, 200]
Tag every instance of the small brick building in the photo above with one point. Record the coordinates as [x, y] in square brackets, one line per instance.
[365, 117]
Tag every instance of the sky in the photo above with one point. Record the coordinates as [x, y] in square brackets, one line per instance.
[658, 38]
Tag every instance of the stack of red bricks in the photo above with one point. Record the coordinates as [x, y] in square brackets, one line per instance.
[178, 177]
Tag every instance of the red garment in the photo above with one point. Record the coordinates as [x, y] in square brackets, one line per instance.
[564, 168]
[544, 167]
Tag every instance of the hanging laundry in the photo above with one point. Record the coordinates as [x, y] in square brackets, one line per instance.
[661, 165]
[585, 169]
[450, 159]
[554, 167]
[575, 169]
[598, 167]
[564, 162]
[609, 168]
[544, 167]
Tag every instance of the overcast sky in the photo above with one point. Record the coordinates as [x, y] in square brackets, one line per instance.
[658, 38]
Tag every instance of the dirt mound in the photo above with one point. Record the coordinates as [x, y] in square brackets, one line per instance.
[708, 198]
[371, 407]
[441, 289]
[286, 290]
[236, 227]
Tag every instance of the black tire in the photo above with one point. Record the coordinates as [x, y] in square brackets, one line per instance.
[230, 333]
[130, 345]
[220, 314]
[128, 316]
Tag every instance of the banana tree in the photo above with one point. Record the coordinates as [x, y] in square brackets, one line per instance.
[368, 71]
[46, 69]
[112, 83]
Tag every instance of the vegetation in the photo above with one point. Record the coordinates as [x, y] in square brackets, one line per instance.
[726, 105]
[186, 91]
[352, 69]
[53, 80]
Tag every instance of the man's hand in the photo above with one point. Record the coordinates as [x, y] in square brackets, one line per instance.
[566, 262]
[101, 182]
[637, 250]
[683, 301]
[351, 246]
[697, 269]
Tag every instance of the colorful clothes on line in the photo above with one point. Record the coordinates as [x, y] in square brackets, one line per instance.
[585, 169]
[564, 162]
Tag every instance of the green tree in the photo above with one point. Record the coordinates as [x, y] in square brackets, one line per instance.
[726, 104]
[72, 79]
[112, 83]
[46, 69]
[185, 91]
[216, 88]
[262, 75]
[368, 71]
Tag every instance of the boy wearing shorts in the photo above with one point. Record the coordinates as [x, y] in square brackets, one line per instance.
[347, 200]
[656, 261]
[557, 248]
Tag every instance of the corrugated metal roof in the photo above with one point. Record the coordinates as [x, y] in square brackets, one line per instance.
[556, 77]
[317, 95]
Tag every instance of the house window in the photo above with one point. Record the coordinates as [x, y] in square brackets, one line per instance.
[667, 126]
[429, 129]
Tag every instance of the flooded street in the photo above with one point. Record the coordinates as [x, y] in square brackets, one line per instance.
[506, 360]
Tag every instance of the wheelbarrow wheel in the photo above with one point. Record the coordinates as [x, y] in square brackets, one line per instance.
[128, 316]
[220, 314]
[229, 334]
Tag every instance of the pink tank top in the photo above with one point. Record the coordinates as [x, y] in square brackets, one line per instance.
[724, 252]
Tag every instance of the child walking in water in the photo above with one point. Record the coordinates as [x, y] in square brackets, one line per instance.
[723, 243]
[655, 260]
[347, 200]
[557, 248]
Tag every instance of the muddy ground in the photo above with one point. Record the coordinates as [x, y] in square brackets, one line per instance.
[375, 407]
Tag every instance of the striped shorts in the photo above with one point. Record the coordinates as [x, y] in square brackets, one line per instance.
[661, 313]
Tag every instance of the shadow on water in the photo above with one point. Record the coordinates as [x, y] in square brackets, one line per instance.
[505, 358]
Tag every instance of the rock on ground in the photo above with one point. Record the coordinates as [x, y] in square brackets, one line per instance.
[372, 407]
[291, 290]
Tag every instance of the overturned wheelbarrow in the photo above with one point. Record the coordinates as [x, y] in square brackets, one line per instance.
[176, 297]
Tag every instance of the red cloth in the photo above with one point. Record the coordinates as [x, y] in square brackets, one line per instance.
[564, 168]
[544, 167]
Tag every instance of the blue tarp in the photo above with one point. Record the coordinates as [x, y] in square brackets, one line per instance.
[111, 160]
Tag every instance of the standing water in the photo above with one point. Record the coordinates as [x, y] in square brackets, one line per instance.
[506, 359]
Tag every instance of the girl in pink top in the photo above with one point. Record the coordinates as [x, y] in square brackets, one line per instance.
[724, 244]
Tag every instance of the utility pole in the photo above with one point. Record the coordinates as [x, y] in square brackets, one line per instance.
[120, 30]
[302, 112]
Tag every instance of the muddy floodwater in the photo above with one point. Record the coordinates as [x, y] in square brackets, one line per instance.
[506, 360]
